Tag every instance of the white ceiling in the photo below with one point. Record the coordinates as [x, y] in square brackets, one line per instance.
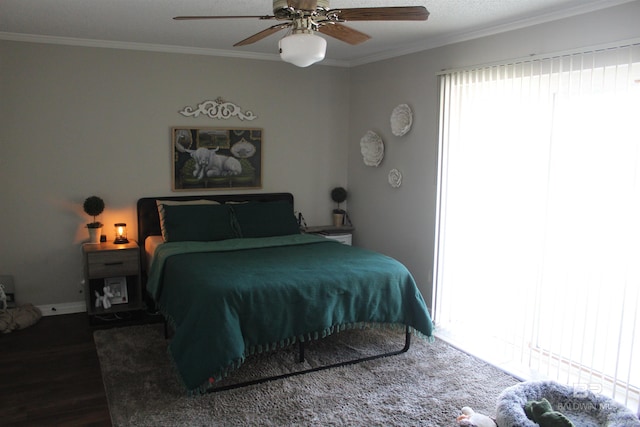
[148, 24]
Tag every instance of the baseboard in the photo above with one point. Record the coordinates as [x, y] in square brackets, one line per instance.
[63, 308]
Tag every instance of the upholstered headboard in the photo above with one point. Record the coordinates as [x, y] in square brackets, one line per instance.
[149, 220]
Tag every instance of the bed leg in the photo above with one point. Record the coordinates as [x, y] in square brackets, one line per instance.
[407, 340]
[301, 351]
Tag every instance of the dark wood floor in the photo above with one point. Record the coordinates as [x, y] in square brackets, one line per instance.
[50, 375]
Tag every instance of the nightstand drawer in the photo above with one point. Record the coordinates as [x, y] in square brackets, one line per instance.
[112, 263]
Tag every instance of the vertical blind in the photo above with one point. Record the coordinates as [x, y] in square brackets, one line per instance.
[538, 231]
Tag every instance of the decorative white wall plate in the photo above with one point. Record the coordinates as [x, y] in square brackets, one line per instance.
[243, 149]
[372, 148]
[218, 109]
[401, 119]
[395, 178]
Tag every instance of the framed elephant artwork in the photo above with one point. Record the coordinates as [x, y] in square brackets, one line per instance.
[209, 158]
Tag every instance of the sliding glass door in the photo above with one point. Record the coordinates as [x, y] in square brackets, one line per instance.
[538, 249]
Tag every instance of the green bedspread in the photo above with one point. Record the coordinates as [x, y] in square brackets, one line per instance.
[229, 299]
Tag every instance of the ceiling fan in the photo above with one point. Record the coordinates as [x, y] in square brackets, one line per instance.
[301, 46]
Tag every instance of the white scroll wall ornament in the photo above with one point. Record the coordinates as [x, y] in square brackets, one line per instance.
[218, 109]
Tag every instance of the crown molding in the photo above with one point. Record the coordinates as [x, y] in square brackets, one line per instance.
[393, 53]
[149, 47]
[489, 31]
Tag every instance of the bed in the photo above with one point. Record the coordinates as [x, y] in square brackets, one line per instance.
[233, 276]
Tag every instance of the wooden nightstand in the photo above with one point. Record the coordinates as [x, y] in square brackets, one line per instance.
[119, 264]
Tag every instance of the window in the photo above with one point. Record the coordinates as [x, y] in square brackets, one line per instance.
[538, 239]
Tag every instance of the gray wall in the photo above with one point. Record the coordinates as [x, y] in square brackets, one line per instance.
[401, 222]
[78, 121]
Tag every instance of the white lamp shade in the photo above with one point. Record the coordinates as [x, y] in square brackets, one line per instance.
[302, 49]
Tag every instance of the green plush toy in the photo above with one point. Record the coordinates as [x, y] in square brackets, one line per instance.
[542, 413]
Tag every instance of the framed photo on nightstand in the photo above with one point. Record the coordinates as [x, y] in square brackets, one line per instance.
[118, 287]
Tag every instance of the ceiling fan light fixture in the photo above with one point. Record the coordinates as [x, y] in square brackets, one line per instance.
[302, 48]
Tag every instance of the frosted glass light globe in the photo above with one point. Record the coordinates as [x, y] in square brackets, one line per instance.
[302, 49]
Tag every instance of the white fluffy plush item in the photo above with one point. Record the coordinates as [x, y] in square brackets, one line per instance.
[18, 317]
[470, 418]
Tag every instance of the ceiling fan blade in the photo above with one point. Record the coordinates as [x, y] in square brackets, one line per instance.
[303, 4]
[344, 33]
[399, 13]
[262, 34]
[192, 18]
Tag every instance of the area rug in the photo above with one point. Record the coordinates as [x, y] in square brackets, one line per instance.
[426, 386]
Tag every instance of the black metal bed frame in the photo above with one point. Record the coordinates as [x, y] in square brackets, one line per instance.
[301, 348]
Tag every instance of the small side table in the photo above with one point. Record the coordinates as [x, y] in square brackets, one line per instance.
[343, 234]
[117, 266]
